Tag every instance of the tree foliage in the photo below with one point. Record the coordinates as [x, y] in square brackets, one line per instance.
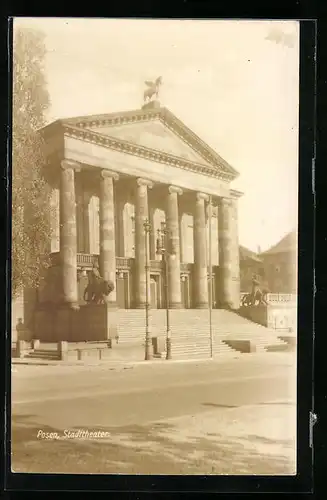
[30, 191]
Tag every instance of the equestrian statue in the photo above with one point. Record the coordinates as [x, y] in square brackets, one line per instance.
[97, 288]
[153, 89]
[257, 296]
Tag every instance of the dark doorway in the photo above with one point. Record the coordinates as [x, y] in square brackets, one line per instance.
[154, 291]
[122, 290]
[185, 292]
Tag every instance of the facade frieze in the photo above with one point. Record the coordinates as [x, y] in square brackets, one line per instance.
[155, 155]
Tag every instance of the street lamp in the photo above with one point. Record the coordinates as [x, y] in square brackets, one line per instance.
[147, 230]
[162, 250]
[210, 276]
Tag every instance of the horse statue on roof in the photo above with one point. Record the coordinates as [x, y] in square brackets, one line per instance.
[153, 89]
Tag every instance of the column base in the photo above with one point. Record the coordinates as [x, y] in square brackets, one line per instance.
[202, 305]
[176, 305]
[229, 306]
[140, 306]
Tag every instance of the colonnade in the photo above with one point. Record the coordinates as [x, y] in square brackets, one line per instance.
[228, 245]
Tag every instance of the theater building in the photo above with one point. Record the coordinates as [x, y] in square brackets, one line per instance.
[109, 174]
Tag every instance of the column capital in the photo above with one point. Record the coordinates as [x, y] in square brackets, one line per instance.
[226, 202]
[202, 196]
[235, 194]
[144, 182]
[109, 173]
[66, 164]
[175, 189]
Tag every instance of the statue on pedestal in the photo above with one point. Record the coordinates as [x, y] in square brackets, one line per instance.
[153, 89]
[257, 296]
[97, 288]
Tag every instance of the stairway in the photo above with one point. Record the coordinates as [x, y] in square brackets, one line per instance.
[44, 354]
[190, 335]
[190, 331]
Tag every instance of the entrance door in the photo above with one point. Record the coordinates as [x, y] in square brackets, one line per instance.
[185, 292]
[122, 291]
[154, 289]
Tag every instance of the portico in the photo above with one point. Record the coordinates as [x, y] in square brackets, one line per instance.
[109, 174]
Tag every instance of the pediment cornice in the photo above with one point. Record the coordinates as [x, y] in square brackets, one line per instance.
[131, 148]
[220, 168]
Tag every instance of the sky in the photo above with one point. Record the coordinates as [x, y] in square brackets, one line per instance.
[234, 83]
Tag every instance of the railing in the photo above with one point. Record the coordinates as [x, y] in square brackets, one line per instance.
[281, 298]
[87, 260]
[124, 262]
[276, 298]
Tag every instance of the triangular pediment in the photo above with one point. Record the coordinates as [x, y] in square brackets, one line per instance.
[157, 130]
[153, 134]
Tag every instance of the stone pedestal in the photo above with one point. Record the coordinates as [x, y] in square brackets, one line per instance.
[99, 322]
[88, 323]
[151, 105]
[258, 314]
[44, 324]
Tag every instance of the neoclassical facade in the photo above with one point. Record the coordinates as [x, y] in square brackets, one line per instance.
[110, 173]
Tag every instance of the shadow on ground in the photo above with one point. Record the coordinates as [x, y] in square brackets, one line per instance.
[136, 449]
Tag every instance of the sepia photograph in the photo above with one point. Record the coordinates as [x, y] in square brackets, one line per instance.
[154, 246]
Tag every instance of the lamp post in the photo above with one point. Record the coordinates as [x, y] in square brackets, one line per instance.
[147, 230]
[210, 275]
[162, 250]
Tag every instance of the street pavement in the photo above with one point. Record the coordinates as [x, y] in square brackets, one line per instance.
[219, 404]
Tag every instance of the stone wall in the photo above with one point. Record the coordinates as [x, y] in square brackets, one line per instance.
[277, 316]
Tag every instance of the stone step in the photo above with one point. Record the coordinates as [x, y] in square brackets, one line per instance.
[45, 355]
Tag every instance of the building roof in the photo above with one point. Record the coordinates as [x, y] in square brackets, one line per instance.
[109, 129]
[286, 244]
[246, 254]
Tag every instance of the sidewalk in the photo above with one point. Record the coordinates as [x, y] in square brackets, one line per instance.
[119, 361]
[268, 356]
[30, 368]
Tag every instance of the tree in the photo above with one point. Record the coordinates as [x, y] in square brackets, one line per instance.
[30, 192]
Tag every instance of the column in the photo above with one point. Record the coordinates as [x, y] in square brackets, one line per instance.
[153, 235]
[200, 253]
[236, 285]
[141, 214]
[181, 237]
[226, 296]
[68, 233]
[107, 231]
[174, 266]
[120, 231]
